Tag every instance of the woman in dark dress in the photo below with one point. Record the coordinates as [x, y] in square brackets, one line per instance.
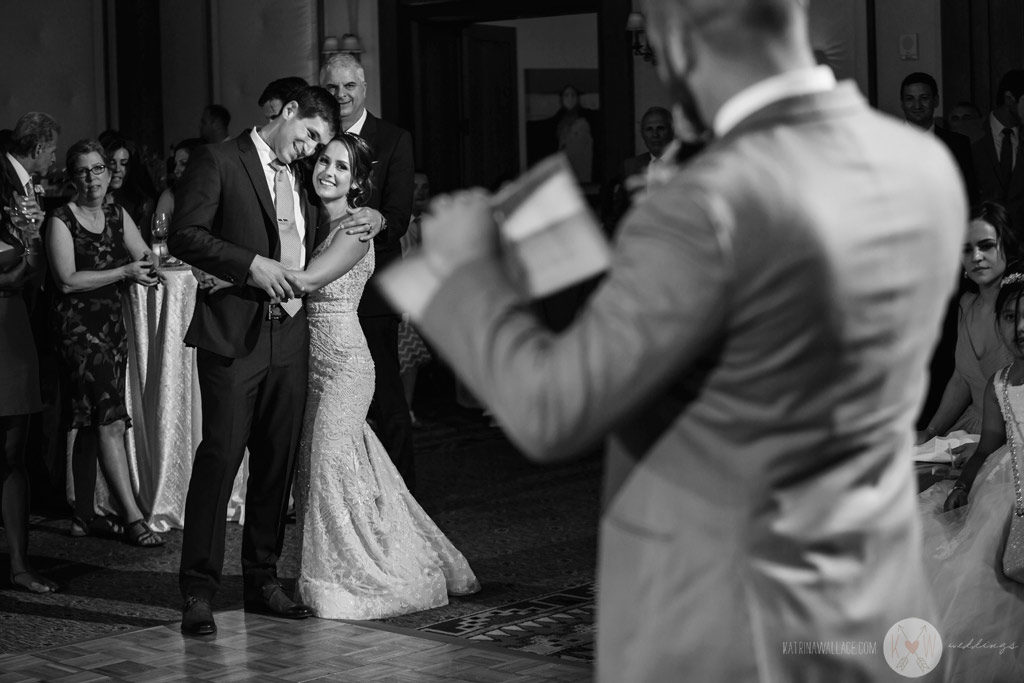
[94, 250]
[19, 398]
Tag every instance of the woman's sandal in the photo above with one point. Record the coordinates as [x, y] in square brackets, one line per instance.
[99, 526]
[30, 582]
[139, 533]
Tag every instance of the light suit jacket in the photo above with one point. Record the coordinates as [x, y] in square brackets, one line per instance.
[754, 360]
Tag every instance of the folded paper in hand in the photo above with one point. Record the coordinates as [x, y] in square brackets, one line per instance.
[940, 448]
[549, 237]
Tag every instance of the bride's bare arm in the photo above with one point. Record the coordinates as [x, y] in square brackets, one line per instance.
[343, 253]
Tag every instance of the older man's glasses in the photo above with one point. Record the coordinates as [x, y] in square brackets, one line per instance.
[95, 171]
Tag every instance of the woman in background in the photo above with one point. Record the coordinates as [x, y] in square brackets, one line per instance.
[182, 152]
[19, 398]
[94, 250]
[990, 244]
[130, 186]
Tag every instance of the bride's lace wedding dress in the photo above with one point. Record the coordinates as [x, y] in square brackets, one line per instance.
[368, 549]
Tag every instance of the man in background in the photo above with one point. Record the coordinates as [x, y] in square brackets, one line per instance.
[213, 124]
[997, 158]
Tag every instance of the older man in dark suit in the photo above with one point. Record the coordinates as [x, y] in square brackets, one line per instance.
[754, 357]
[244, 217]
[387, 212]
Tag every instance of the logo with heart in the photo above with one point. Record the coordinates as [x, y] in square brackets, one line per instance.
[912, 647]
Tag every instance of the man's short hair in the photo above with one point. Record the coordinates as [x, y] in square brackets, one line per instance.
[33, 128]
[343, 60]
[727, 25]
[220, 114]
[282, 89]
[315, 101]
[657, 111]
[1013, 81]
[922, 78]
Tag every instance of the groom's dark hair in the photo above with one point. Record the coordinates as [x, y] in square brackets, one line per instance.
[317, 102]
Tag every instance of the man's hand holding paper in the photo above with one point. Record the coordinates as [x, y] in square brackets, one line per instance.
[459, 228]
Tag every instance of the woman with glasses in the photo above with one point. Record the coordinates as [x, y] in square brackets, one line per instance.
[94, 251]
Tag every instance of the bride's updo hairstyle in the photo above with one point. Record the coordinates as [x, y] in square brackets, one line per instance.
[360, 156]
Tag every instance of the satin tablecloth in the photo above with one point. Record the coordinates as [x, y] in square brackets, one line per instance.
[164, 403]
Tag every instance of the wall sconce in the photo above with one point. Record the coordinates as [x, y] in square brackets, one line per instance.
[635, 24]
[349, 43]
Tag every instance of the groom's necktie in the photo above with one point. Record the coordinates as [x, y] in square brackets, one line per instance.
[288, 233]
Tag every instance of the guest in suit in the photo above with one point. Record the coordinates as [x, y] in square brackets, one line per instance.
[755, 357]
[656, 130]
[919, 97]
[965, 118]
[997, 158]
[32, 146]
[213, 123]
[30, 154]
[388, 211]
[244, 216]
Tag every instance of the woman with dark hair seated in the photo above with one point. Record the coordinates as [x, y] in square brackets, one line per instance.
[990, 244]
[95, 250]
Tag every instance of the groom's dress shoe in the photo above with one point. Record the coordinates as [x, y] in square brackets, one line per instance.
[273, 601]
[197, 617]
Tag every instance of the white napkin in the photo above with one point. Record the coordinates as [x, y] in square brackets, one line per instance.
[940, 448]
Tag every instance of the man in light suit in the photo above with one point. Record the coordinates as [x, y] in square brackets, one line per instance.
[998, 163]
[243, 217]
[754, 359]
[387, 212]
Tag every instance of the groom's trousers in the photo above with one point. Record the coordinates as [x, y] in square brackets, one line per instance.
[257, 402]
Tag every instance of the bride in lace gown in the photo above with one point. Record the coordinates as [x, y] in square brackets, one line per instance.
[965, 525]
[368, 549]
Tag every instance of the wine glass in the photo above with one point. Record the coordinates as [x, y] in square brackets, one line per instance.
[160, 227]
[27, 217]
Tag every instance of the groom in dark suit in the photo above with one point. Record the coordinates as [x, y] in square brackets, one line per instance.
[244, 217]
[387, 216]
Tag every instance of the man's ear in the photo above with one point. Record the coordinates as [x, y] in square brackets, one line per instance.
[291, 108]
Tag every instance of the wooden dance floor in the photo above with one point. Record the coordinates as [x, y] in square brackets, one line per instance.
[251, 647]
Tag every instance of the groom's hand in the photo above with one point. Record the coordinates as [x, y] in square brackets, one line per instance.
[270, 276]
[363, 221]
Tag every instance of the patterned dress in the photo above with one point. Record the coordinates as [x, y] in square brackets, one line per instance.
[368, 549]
[91, 336]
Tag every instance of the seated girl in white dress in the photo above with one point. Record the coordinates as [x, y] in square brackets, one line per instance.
[966, 523]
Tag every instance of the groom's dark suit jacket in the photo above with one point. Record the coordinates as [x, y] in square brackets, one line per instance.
[393, 171]
[224, 217]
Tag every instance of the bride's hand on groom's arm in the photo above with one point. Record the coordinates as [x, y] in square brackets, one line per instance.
[299, 282]
[270, 276]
